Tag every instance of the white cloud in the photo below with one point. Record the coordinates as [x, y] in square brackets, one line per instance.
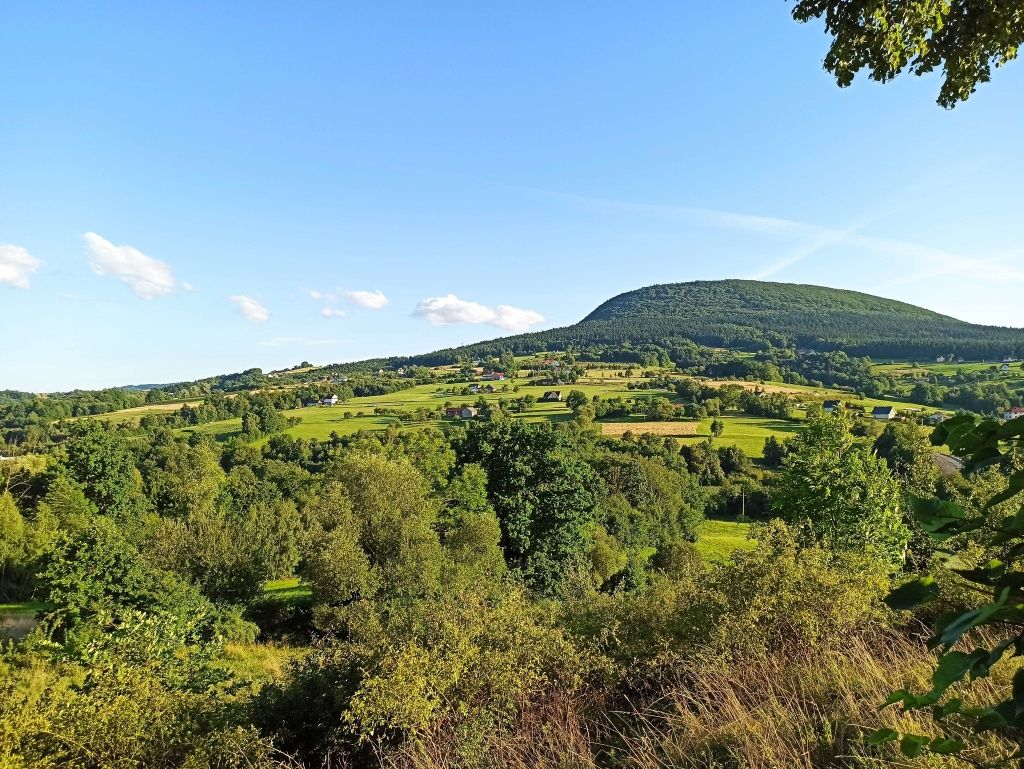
[373, 300]
[251, 309]
[147, 277]
[332, 312]
[515, 318]
[16, 264]
[448, 310]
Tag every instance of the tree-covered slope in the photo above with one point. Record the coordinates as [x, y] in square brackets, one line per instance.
[755, 303]
[750, 315]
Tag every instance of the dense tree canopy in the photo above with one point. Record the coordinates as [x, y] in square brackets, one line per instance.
[963, 38]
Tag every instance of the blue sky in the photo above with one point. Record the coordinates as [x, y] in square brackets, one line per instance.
[484, 167]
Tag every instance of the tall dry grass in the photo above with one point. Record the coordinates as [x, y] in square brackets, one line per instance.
[806, 710]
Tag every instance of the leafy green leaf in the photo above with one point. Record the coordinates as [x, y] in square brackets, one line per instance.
[945, 746]
[912, 745]
[913, 593]
[900, 695]
[1018, 688]
[951, 668]
[1012, 429]
[882, 736]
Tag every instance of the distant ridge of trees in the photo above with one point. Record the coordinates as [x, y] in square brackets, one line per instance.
[752, 316]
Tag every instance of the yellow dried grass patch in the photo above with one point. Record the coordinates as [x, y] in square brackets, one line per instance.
[667, 429]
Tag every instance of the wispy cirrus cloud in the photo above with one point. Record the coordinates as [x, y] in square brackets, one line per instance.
[16, 266]
[371, 300]
[251, 309]
[450, 309]
[921, 261]
[930, 262]
[146, 276]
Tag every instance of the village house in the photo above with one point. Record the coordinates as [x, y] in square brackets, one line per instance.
[1014, 413]
[474, 388]
[935, 419]
[487, 389]
[829, 406]
[493, 376]
[552, 395]
[883, 412]
[330, 400]
[460, 412]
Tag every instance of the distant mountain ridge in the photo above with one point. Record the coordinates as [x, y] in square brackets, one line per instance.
[750, 315]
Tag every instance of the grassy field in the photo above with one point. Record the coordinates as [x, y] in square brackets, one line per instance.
[18, 619]
[286, 589]
[746, 432]
[133, 415]
[357, 414]
[830, 393]
[716, 540]
[320, 422]
[259, 663]
[940, 369]
[639, 426]
[22, 609]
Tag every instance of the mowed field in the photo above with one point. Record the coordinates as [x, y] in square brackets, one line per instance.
[746, 432]
[827, 393]
[717, 540]
[133, 415]
[941, 369]
[639, 426]
[358, 414]
[907, 373]
[319, 422]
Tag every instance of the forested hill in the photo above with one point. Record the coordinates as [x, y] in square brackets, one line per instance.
[752, 315]
[771, 306]
[727, 312]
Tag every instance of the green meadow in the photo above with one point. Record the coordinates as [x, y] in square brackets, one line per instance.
[717, 540]
[746, 432]
[358, 414]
